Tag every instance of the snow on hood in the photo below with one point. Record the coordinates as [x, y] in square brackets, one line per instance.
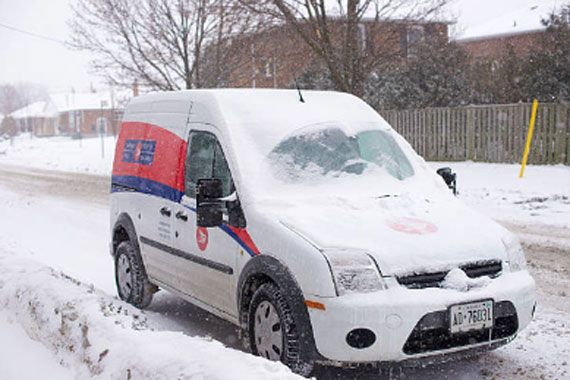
[405, 234]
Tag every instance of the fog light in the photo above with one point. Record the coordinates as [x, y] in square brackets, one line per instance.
[360, 338]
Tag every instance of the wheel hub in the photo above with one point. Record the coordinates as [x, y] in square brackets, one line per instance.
[124, 276]
[268, 332]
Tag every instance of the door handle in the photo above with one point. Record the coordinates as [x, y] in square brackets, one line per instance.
[165, 211]
[182, 216]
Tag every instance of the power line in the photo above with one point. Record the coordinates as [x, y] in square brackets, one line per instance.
[48, 38]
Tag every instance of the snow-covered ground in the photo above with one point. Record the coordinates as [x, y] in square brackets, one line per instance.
[60, 153]
[542, 196]
[57, 293]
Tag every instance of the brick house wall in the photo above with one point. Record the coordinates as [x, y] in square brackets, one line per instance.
[38, 126]
[275, 57]
[85, 121]
[44, 127]
[493, 47]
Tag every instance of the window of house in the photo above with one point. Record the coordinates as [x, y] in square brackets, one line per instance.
[205, 159]
[415, 36]
[268, 67]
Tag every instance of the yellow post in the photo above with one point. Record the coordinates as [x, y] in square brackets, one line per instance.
[529, 136]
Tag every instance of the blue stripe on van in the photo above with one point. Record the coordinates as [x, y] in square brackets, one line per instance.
[228, 230]
[146, 186]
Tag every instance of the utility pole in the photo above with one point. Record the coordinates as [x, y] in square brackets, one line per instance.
[113, 116]
[102, 128]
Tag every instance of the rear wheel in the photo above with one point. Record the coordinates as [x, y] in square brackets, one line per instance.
[273, 330]
[132, 282]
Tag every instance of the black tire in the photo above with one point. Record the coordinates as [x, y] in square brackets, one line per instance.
[290, 353]
[131, 280]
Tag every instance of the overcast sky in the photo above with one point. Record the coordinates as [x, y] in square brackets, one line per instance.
[25, 58]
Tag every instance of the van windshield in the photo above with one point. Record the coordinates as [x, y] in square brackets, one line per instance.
[329, 151]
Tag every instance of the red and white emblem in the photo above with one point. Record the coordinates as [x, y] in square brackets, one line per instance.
[202, 238]
[412, 226]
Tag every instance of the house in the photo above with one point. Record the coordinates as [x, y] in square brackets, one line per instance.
[86, 114]
[276, 57]
[38, 118]
[72, 114]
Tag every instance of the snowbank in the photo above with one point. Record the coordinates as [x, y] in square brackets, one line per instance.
[100, 337]
[60, 153]
[15, 356]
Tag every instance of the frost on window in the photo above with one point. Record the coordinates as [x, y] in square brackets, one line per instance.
[331, 152]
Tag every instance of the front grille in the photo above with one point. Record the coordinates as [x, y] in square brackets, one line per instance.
[432, 333]
[490, 268]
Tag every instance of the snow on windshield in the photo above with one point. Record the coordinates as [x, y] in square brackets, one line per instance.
[329, 159]
[330, 151]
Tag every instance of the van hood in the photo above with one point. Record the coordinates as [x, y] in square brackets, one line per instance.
[404, 234]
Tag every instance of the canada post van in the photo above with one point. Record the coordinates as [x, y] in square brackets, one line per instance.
[312, 225]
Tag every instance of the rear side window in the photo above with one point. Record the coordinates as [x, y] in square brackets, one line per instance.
[205, 159]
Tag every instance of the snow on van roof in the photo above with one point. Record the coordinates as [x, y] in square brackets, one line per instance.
[269, 114]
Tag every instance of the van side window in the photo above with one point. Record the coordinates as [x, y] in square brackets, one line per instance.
[205, 159]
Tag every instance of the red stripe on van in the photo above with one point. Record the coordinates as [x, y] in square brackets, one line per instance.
[167, 167]
[246, 239]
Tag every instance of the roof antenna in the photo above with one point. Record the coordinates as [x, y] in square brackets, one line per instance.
[299, 91]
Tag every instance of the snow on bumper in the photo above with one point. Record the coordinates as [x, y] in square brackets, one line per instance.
[392, 315]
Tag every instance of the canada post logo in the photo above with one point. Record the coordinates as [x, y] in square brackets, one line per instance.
[139, 151]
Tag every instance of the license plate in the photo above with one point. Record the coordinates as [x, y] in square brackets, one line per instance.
[471, 316]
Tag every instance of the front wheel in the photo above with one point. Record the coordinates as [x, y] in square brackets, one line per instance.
[273, 331]
[132, 282]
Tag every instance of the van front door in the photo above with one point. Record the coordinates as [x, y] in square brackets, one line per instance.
[209, 254]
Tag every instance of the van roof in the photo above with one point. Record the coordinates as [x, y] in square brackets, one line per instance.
[273, 113]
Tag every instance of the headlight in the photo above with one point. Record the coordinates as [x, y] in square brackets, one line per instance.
[515, 253]
[354, 272]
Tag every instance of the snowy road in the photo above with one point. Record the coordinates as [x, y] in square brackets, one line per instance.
[61, 220]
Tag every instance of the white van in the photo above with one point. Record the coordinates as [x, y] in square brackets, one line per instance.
[306, 220]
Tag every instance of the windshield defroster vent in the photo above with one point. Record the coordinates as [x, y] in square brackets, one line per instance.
[490, 268]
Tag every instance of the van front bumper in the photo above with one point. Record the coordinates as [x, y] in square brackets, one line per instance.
[412, 324]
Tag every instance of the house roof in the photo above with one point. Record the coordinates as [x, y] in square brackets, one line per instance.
[82, 101]
[37, 109]
[70, 102]
[499, 36]
[525, 19]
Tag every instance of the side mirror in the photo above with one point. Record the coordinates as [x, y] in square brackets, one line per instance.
[449, 177]
[209, 206]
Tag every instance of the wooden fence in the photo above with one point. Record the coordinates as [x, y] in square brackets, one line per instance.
[493, 133]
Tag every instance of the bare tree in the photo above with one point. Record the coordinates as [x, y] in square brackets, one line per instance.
[335, 30]
[15, 96]
[159, 43]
